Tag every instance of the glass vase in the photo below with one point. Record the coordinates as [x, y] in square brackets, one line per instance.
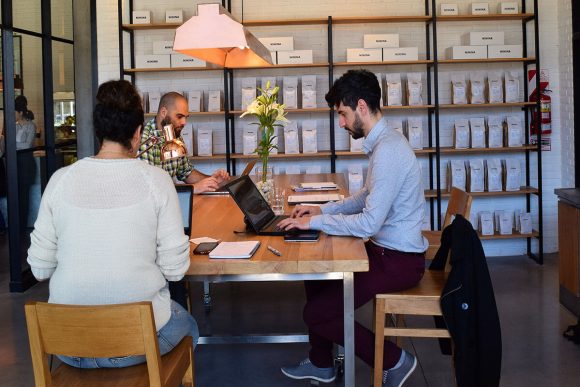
[265, 180]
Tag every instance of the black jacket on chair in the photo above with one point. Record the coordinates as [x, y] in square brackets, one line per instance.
[469, 308]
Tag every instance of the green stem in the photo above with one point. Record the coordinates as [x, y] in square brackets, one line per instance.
[264, 168]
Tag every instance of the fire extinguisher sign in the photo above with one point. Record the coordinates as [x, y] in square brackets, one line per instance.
[541, 122]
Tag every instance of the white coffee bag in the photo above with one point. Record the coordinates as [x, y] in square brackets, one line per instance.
[461, 134]
[485, 223]
[456, 175]
[513, 174]
[355, 178]
[248, 91]
[309, 137]
[512, 86]
[309, 91]
[477, 128]
[250, 139]
[414, 89]
[290, 92]
[495, 86]
[493, 173]
[394, 90]
[476, 176]
[291, 144]
[458, 89]
[494, 132]
[195, 100]
[415, 132]
[477, 89]
[514, 130]
[214, 102]
[204, 142]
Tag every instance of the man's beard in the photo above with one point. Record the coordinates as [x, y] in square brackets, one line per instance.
[356, 131]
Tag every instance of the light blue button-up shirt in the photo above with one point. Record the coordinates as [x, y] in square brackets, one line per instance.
[389, 209]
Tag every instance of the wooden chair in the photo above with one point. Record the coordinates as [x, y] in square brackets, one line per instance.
[459, 203]
[423, 299]
[104, 331]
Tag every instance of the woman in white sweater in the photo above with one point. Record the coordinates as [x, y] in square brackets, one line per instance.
[109, 229]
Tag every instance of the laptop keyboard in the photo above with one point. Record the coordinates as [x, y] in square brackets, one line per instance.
[273, 224]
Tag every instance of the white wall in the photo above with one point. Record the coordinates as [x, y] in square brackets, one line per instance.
[555, 51]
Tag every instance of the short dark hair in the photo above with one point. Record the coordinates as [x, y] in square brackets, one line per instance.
[168, 99]
[118, 112]
[352, 86]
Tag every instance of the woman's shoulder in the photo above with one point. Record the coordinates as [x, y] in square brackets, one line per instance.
[157, 176]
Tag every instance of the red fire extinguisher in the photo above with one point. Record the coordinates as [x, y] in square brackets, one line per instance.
[543, 119]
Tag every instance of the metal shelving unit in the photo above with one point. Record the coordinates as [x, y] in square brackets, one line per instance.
[433, 151]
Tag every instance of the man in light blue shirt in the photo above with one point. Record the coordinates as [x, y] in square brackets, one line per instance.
[388, 211]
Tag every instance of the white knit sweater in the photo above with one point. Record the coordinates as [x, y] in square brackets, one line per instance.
[109, 232]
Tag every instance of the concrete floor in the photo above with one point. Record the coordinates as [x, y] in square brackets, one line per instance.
[534, 351]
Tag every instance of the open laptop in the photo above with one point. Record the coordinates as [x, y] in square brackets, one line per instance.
[221, 187]
[185, 198]
[256, 209]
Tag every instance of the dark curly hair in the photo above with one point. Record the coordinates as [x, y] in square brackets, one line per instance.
[355, 85]
[118, 112]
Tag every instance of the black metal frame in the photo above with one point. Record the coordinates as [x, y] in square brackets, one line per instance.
[22, 279]
[433, 113]
[576, 71]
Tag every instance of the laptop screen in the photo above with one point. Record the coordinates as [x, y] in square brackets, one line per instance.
[251, 202]
[185, 197]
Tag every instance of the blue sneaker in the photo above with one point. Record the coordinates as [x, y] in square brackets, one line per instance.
[396, 377]
[306, 370]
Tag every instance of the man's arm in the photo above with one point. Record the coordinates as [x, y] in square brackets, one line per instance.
[195, 177]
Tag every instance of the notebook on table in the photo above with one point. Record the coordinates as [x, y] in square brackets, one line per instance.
[221, 190]
[244, 249]
[258, 212]
[318, 199]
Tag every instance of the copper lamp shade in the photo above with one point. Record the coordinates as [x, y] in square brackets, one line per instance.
[214, 36]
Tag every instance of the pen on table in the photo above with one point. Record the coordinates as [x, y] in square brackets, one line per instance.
[274, 251]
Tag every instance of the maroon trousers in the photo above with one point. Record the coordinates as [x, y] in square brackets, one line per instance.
[389, 271]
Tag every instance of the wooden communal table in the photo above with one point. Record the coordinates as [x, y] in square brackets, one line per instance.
[331, 258]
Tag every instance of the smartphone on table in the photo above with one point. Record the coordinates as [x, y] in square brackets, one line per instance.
[205, 247]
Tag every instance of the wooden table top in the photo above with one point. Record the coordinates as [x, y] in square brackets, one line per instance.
[217, 216]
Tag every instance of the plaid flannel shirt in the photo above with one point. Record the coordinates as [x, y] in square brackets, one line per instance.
[180, 168]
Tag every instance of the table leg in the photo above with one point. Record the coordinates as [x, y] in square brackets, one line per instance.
[348, 281]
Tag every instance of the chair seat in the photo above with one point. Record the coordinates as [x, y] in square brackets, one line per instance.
[174, 364]
[428, 289]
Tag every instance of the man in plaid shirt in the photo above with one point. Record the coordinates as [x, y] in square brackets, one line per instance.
[173, 109]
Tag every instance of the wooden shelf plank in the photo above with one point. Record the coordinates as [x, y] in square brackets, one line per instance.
[418, 152]
[487, 105]
[205, 158]
[285, 156]
[491, 17]
[486, 60]
[164, 69]
[381, 19]
[390, 63]
[285, 22]
[449, 150]
[524, 190]
[515, 235]
[151, 26]
[310, 110]
[284, 66]
[193, 114]
[405, 107]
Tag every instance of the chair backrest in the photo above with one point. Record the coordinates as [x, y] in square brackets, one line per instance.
[459, 204]
[91, 331]
[185, 197]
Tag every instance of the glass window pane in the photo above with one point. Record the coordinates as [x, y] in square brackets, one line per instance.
[64, 101]
[31, 81]
[61, 15]
[27, 15]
